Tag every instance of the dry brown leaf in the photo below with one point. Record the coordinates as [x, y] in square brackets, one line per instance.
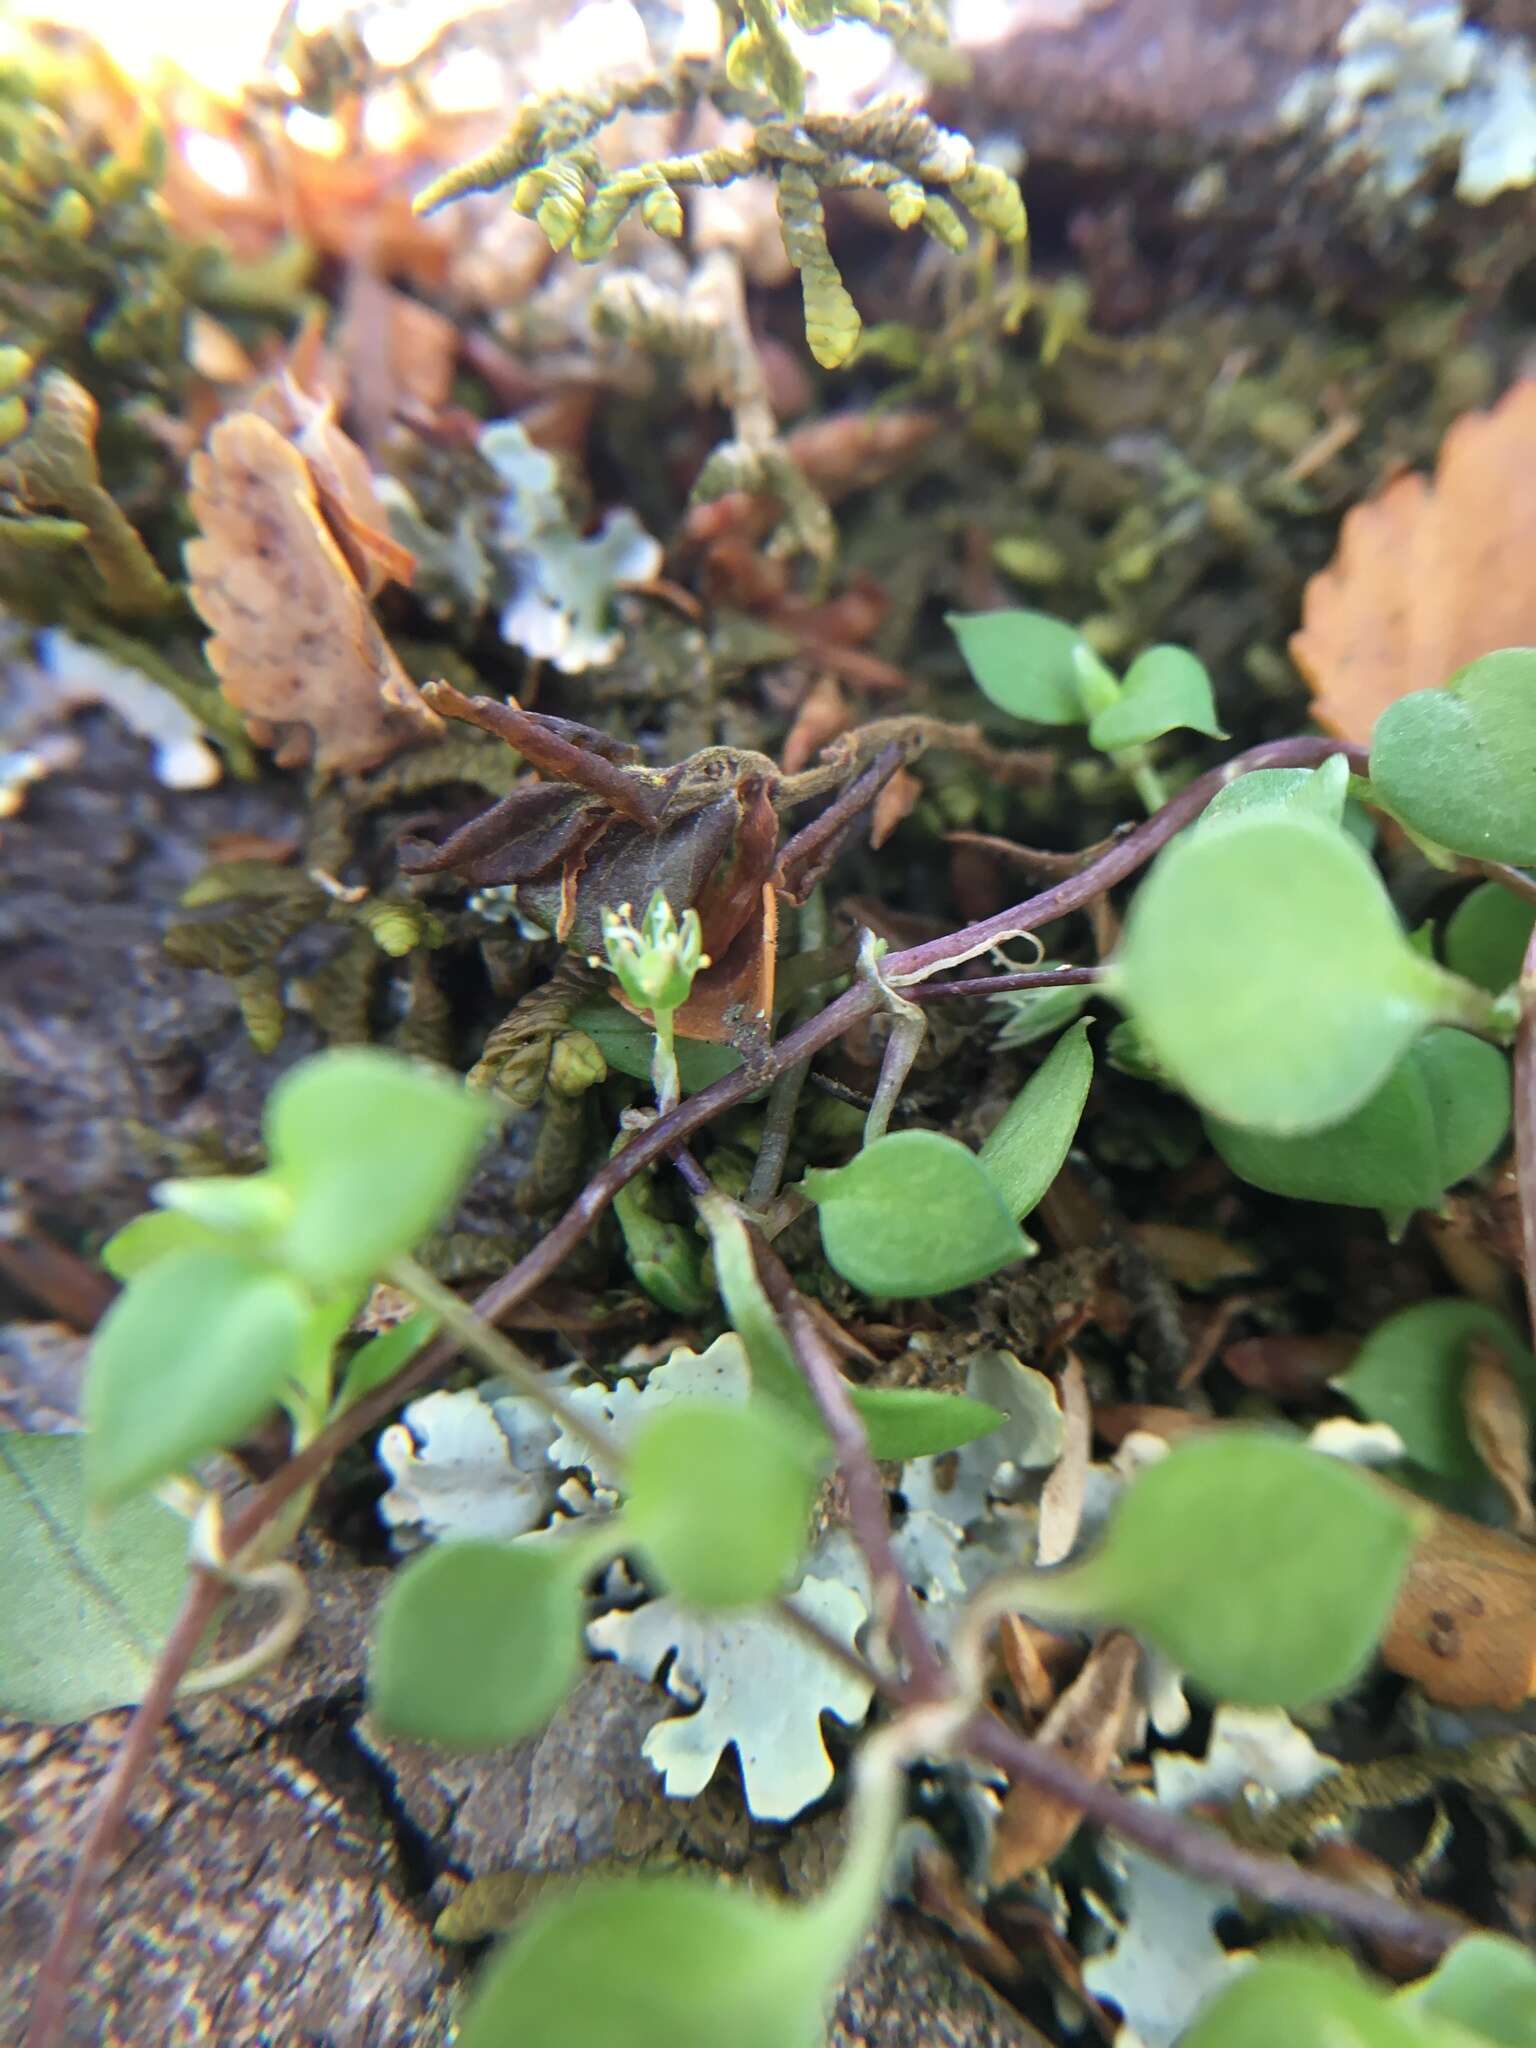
[1194, 1258]
[823, 715]
[1427, 577]
[1500, 1428]
[1086, 1727]
[1061, 1498]
[342, 478]
[939, 1891]
[1117, 1420]
[896, 801]
[852, 451]
[1464, 1628]
[1036, 1662]
[1291, 1366]
[293, 643]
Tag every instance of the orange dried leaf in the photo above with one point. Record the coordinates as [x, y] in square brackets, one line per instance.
[293, 644]
[1427, 577]
[1464, 1628]
[823, 716]
[1086, 1726]
[896, 801]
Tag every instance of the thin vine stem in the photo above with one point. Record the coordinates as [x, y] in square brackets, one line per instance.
[868, 1513]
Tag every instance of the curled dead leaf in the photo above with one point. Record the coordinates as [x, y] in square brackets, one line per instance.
[1036, 1661]
[824, 713]
[1061, 1498]
[1464, 1628]
[294, 645]
[1087, 1727]
[1499, 1425]
[1427, 576]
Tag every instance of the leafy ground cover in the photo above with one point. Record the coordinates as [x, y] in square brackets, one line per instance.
[939, 1180]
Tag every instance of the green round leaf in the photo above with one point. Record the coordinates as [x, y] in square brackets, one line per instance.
[1296, 2002]
[1440, 1114]
[655, 1962]
[1026, 1148]
[1267, 972]
[1409, 1373]
[915, 1213]
[375, 1149]
[1165, 690]
[1263, 1569]
[1487, 1984]
[187, 1360]
[1458, 764]
[1024, 661]
[85, 1601]
[1487, 935]
[476, 1643]
[718, 1499]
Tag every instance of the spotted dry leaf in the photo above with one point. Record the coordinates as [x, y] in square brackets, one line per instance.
[1427, 576]
[1464, 1627]
[294, 645]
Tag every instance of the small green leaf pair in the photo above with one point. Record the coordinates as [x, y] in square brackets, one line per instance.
[916, 1213]
[237, 1290]
[477, 1643]
[1042, 669]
